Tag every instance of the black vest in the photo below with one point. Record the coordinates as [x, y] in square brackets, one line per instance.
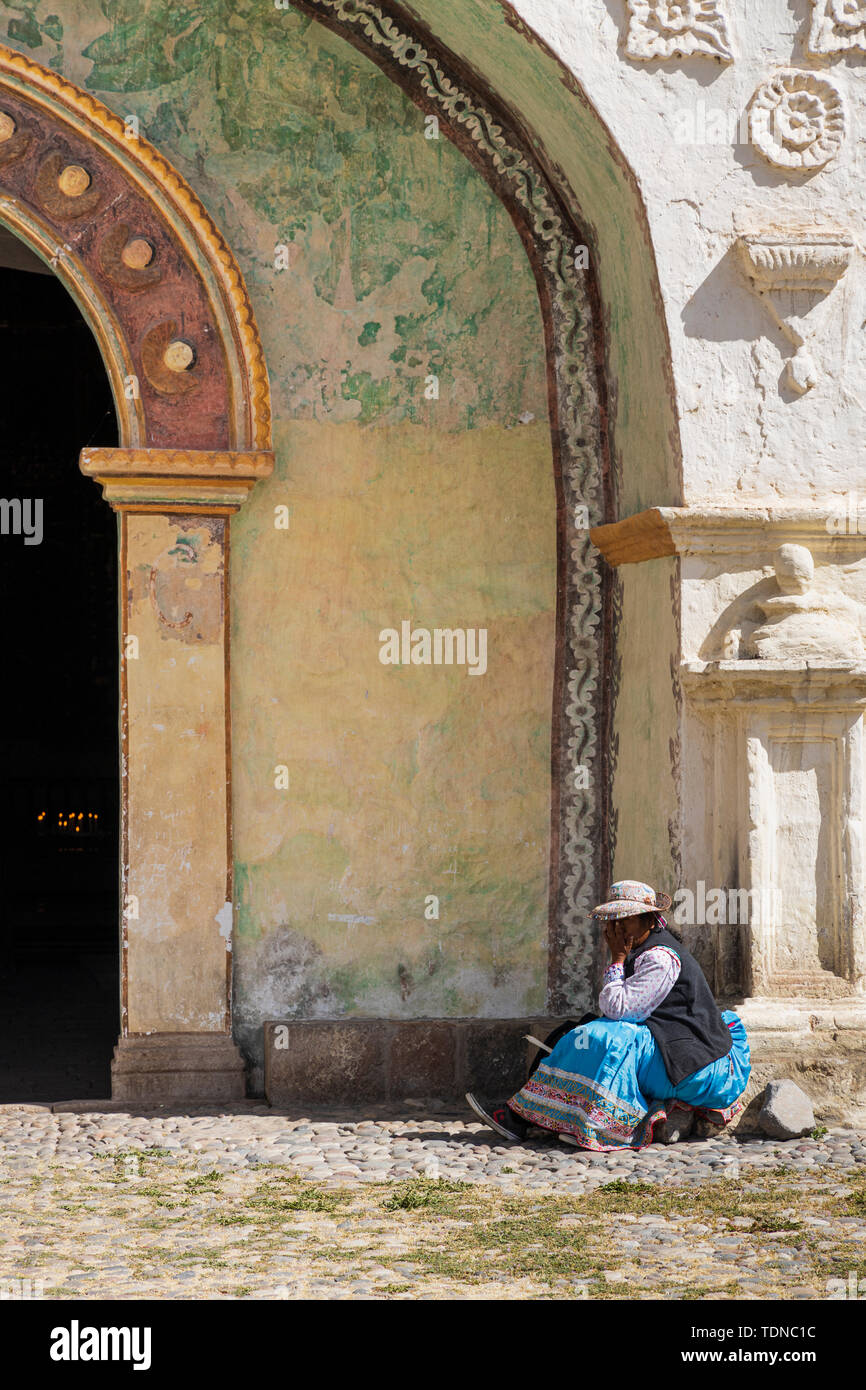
[687, 1024]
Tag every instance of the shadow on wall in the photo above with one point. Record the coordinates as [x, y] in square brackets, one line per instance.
[726, 309]
[283, 979]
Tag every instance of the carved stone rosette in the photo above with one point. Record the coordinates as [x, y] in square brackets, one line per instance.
[797, 121]
[838, 26]
[667, 29]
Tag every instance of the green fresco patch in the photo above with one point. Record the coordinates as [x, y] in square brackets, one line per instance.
[335, 163]
[26, 31]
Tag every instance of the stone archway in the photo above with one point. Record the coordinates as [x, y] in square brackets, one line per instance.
[520, 118]
[559, 254]
[166, 302]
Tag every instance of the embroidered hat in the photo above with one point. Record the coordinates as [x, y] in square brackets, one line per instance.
[629, 897]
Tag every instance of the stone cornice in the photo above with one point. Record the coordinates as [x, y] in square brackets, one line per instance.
[808, 1017]
[170, 478]
[832, 685]
[705, 527]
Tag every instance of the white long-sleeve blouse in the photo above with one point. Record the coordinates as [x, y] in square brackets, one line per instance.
[633, 1000]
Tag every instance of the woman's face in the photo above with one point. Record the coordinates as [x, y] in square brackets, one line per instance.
[622, 934]
[636, 926]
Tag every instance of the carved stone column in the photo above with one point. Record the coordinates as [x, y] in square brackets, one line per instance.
[176, 857]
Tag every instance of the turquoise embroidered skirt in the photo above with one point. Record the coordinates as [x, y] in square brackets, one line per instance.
[605, 1083]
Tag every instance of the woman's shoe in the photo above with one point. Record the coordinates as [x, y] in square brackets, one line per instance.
[677, 1126]
[706, 1129]
[499, 1117]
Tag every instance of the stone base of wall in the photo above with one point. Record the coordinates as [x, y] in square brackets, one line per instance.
[321, 1062]
[830, 1069]
[159, 1067]
[819, 1043]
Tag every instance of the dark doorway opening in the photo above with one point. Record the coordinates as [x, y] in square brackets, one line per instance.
[59, 740]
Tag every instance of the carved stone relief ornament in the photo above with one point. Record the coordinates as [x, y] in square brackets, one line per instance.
[838, 26]
[795, 273]
[799, 623]
[677, 29]
[797, 120]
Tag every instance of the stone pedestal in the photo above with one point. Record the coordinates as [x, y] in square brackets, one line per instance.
[785, 794]
[184, 1067]
[779, 753]
[819, 1045]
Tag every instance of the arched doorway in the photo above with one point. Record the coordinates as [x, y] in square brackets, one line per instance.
[166, 303]
[195, 436]
[59, 763]
[493, 126]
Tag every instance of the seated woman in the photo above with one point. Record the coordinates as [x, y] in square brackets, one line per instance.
[662, 1052]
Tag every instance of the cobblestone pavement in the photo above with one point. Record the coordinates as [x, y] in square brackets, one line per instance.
[422, 1203]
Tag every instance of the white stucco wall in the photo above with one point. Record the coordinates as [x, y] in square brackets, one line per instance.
[744, 433]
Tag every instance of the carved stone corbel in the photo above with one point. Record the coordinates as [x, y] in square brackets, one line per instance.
[795, 274]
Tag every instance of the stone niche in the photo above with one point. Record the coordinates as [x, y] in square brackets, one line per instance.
[774, 684]
[783, 755]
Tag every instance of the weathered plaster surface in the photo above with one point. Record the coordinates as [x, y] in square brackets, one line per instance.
[403, 783]
[175, 766]
[743, 432]
[646, 840]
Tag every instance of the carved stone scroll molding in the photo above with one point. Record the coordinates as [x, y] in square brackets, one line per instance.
[838, 26]
[795, 274]
[797, 120]
[677, 29]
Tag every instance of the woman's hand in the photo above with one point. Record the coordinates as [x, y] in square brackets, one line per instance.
[616, 936]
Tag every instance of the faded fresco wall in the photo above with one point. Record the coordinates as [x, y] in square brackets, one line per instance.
[399, 264]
